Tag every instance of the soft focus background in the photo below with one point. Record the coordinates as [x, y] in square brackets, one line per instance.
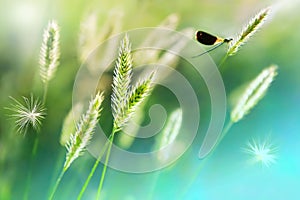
[227, 174]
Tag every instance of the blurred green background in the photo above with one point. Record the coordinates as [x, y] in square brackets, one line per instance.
[226, 174]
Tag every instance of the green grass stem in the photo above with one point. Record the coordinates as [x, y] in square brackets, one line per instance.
[86, 183]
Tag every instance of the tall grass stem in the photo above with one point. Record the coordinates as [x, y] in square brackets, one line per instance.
[86, 183]
[105, 165]
[56, 184]
[29, 177]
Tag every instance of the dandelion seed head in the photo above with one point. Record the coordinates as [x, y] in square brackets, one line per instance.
[29, 114]
[262, 152]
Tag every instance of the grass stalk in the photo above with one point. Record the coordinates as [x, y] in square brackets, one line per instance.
[29, 177]
[105, 165]
[45, 93]
[57, 183]
[86, 183]
[223, 61]
[59, 162]
[154, 184]
[202, 164]
[194, 178]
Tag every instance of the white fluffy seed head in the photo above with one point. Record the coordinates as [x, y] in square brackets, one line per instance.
[50, 52]
[27, 114]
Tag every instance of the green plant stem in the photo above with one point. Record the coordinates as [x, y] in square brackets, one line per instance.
[59, 162]
[105, 164]
[45, 93]
[190, 184]
[152, 189]
[223, 61]
[224, 132]
[33, 153]
[93, 169]
[57, 183]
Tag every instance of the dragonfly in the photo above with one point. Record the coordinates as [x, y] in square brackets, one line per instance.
[209, 39]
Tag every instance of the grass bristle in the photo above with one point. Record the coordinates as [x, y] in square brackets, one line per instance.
[253, 93]
[254, 24]
[50, 52]
[85, 130]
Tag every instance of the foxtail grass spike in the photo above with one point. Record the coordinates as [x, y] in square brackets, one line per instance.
[170, 132]
[253, 93]
[85, 130]
[254, 24]
[121, 80]
[172, 128]
[135, 98]
[69, 124]
[29, 114]
[50, 52]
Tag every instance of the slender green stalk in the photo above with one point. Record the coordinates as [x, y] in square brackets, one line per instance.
[45, 93]
[33, 153]
[59, 162]
[57, 183]
[153, 187]
[105, 164]
[223, 61]
[93, 169]
[225, 131]
[194, 178]
[202, 164]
